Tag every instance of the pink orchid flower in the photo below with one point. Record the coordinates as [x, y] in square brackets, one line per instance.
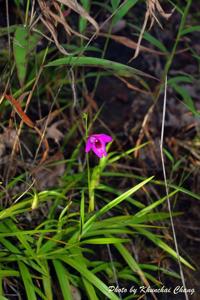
[97, 142]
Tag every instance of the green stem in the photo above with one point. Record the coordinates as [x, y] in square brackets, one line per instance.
[91, 202]
[91, 199]
[27, 11]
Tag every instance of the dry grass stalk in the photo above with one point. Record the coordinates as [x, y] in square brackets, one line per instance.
[153, 9]
[75, 6]
[52, 15]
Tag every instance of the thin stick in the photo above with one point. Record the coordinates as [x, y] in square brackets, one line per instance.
[114, 270]
[167, 189]
[8, 25]
[73, 86]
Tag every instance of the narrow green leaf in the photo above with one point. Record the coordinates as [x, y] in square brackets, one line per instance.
[89, 276]
[168, 155]
[115, 4]
[157, 182]
[150, 38]
[90, 289]
[24, 240]
[23, 43]
[47, 281]
[160, 269]
[8, 273]
[158, 242]
[63, 280]
[115, 202]
[190, 29]
[180, 79]
[83, 21]
[150, 207]
[102, 241]
[126, 153]
[27, 280]
[186, 97]
[130, 261]
[81, 61]
[123, 10]
[109, 189]
[3, 298]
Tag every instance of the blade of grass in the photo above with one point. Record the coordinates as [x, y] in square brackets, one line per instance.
[90, 289]
[150, 207]
[27, 280]
[81, 61]
[114, 202]
[157, 241]
[123, 10]
[63, 280]
[101, 241]
[47, 281]
[88, 275]
[131, 262]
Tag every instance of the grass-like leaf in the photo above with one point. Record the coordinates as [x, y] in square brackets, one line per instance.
[27, 280]
[114, 203]
[63, 279]
[156, 240]
[81, 61]
[89, 276]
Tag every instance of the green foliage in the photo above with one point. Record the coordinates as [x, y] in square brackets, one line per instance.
[65, 240]
[122, 10]
[79, 61]
[24, 43]
[183, 92]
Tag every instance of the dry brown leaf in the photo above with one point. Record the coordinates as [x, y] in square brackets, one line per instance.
[17, 106]
[130, 44]
[131, 86]
[54, 133]
[9, 137]
[48, 174]
[107, 26]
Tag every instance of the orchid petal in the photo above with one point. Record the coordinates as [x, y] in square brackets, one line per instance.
[88, 145]
[104, 137]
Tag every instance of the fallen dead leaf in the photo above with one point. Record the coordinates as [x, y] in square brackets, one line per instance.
[54, 133]
[48, 174]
